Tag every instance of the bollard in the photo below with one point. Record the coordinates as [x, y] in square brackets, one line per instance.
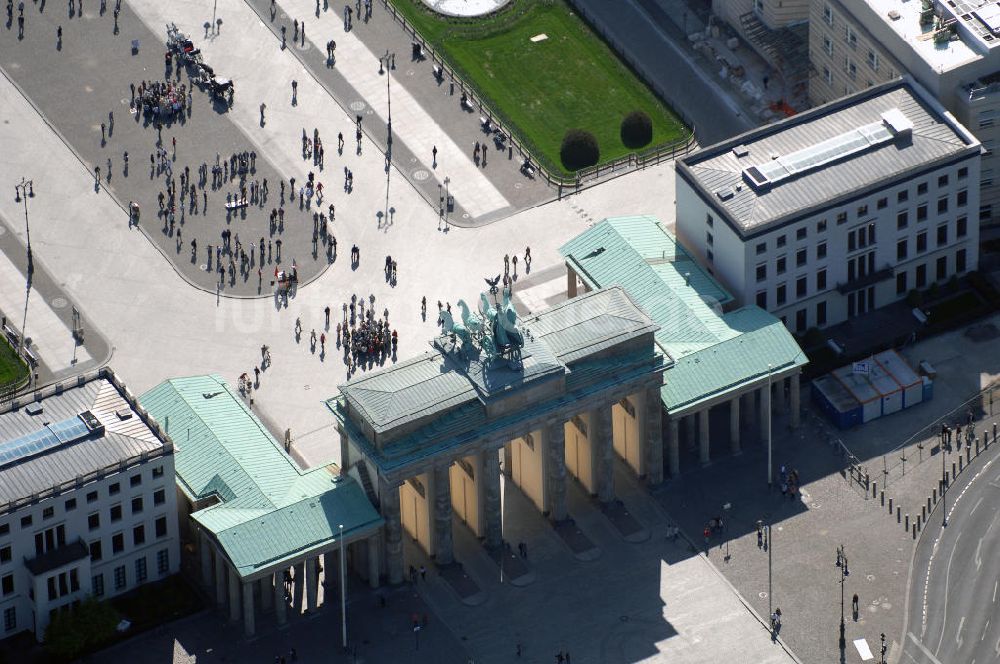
[899, 513]
[953, 473]
[968, 454]
[874, 489]
[928, 503]
[994, 432]
[881, 495]
[934, 494]
[890, 505]
[906, 523]
[868, 482]
[977, 445]
[923, 511]
[961, 464]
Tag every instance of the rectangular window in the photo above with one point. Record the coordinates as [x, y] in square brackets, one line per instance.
[709, 240]
[762, 299]
[821, 226]
[851, 241]
[942, 205]
[163, 561]
[94, 521]
[841, 218]
[114, 489]
[873, 60]
[5, 554]
[4, 529]
[780, 265]
[942, 181]
[903, 196]
[91, 496]
[10, 619]
[985, 212]
[960, 265]
[137, 505]
[821, 250]
[882, 203]
[801, 256]
[962, 198]
[821, 280]
[781, 294]
[921, 189]
[159, 497]
[851, 37]
[901, 250]
[710, 257]
[161, 527]
[26, 521]
[120, 577]
[942, 235]
[828, 75]
[761, 272]
[901, 283]
[157, 472]
[74, 580]
[821, 313]
[921, 242]
[97, 585]
[921, 276]
[781, 241]
[7, 585]
[761, 247]
[922, 212]
[70, 505]
[800, 321]
[139, 535]
[801, 233]
[941, 269]
[117, 543]
[963, 172]
[902, 220]
[95, 551]
[135, 480]
[801, 286]
[48, 512]
[140, 569]
[53, 590]
[862, 210]
[827, 45]
[116, 513]
[961, 227]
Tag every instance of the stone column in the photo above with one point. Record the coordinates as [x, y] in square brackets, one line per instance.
[689, 431]
[298, 585]
[555, 464]
[779, 395]
[280, 606]
[793, 394]
[734, 425]
[444, 552]
[492, 506]
[206, 558]
[654, 436]
[234, 596]
[311, 582]
[248, 612]
[389, 501]
[508, 460]
[266, 593]
[749, 408]
[220, 578]
[570, 282]
[374, 569]
[704, 453]
[765, 412]
[602, 447]
[330, 571]
[673, 440]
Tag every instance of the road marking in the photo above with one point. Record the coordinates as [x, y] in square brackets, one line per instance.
[985, 629]
[996, 648]
[947, 579]
[958, 635]
[979, 558]
[995, 584]
[974, 507]
[927, 653]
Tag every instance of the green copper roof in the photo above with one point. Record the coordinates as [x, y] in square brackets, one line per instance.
[269, 509]
[713, 352]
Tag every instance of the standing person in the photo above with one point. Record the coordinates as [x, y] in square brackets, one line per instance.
[326, 312]
[262, 107]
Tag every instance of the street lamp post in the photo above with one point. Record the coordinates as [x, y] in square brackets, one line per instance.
[945, 432]
[770, 547]
[842, 564]
[726, 508]
[770, 472]
[447, 197]
[24, 190]
[343, 592]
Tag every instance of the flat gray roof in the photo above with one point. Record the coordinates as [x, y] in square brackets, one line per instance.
[120, 440]
[728, 175]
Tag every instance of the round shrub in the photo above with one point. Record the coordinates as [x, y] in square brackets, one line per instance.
[637, 130]
[579, 150]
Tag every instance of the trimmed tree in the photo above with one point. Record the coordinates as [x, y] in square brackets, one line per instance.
[82, 630]
[637, 130]
[579, 150]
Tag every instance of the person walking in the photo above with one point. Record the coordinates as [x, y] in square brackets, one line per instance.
[263, 106]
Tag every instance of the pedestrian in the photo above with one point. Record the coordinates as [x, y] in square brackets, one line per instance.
[326, 312]
[423, 573]
[434, 153]
[103, 136]
[256, 375]
[262, 107]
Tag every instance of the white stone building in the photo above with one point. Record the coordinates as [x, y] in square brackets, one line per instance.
[951, 48]
[839, 210]
[87, 500]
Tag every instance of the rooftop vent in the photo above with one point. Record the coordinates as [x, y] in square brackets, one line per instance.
[124, 413]
[33, 408]
[741, 151]
[725, 193]
[897, 122]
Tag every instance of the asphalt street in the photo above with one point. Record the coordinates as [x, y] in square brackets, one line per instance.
[953, 614]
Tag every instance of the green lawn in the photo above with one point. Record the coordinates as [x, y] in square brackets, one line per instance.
[11, 367]
[570, 80]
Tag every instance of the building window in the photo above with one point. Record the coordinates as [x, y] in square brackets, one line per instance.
[709, 220]
[4, 529]
[70, 505]
[26, 521]
[762, 299]
[7, 585]
[135, 480]
[852, 69]
[942, 235]
[48, 512]
[157, 472]
[139, 535]
[821, 226]
[801, 287]
[94, 521]
[922, 212]
[942, 205]
[828, 14]
[91, 496]
[162, 561]
[921, 189]
[921, 242]
[781, 241]
[873, 60]
[943, 180]
[985, 212]
[5, 554]
[800, 321]
[827, 45]
[960, 260]
[851, 37]
[902, 220]
[985, 120]
[114, 489]
[961, 227]
[10, 619]
[117, 543]
[941, 269]
[74, 580]
[761, 272]
[921, 276]
[801, 256]
[821, 280]
[159, 497]
[901, 250]
[851, 241]
[120, 577]
[140, 569]
[780, 265]
[161, 527]
[97, 585]
[801, 233]
[841, 218]
[137, 505]
[821, 250]
[862, 210]
[761, 247]
[963, 172]
[901, 283]
[821, 313]
[781, 294]
[827, 75]
[903, 196]
[882, 203]
[709, 240]
[962, 198]
[95, 551]
[116, 513]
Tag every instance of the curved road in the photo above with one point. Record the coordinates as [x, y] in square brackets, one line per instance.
[953, 612]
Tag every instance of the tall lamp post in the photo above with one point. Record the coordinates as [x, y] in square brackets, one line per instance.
[24, 190]
[447, 198]
[842, 564]
[945, 437]
[343, 592]
[770, 472]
